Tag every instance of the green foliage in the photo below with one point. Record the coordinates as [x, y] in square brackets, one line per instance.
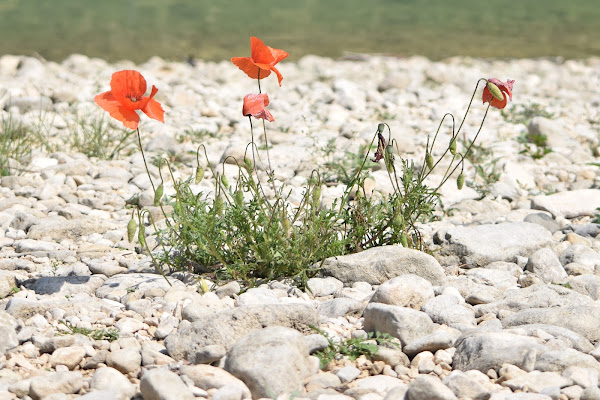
[16, 144]
[110, 334]
[524, 113]
[597, 217]
[485, 166]
[12, 291]
[535, 145]
[353, 347]
[94, 136]
[343, 169]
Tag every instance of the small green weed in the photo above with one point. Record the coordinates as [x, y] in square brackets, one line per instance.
[110, 334]
[94, 136]
[524, 113]
[16, 144]
[343, 169]
[485, 166]
[535, 145]
[12, 291]
[196, 135]
[353, 347]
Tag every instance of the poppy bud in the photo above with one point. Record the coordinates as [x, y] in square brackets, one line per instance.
[248, 164]
[224, 181]
[495, 91]
[142, 235]
[199, 174]
[238, 198]
[460, 181]
[403, 240]
[429, 160]
[452, 146]
[158, 194]
[285, 224]
[399, 220]
[389, 158]
[204, 286]
[218, 205]
[316, 196]
[380, 128]
[131, 228]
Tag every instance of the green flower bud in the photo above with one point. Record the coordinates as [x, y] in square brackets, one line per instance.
[285, 224]
[224, 181]
[460, 181]
[218, 205]
[316, 196]
[199, 174]
[248, 164]
[399, 220]
[238, 198]
[403, 240]
[142, 235]
[389, 158]
[380, 128]
[453, 146]
[204, 286]
[158, 194]
[131, 228]
[495, 91]
[429, 160]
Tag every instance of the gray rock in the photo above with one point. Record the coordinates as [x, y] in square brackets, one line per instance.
[586, 284]
[340, 307]
[403, 323]
[66, 285]
[207, 377]
[580, 254]
[575, 340]
[258, 357]
[590, 393]
[31, 245]
[68, 356]
[107, 268]
[316, 342]
[23, 221]
[569, 204]
[8, 333]
[125, 360]
[392, 356]
[118, 285]
[380, 384]
[583, 377]
[7, 283]
[482, 244]
[110, 379]
[379, 264]
[323, 286]
[499, 278]
[348, 373]
[490, 350]
[544, 220]
[226, 327]
[210, 354]
[537, 381]
[446, 309]
[544, 263]
[438, 340]
[229, 289]
[68, 229]
[162, 384]
[154, 353]
[559, 360]
[583, 320]
[404, 291]
[429, 387]
[257, 296]
[463, 386]
[59, 382]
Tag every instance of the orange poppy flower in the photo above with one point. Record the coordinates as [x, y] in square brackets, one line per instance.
[254, 104]
[126, 96]
[263, 59]
[505, 89]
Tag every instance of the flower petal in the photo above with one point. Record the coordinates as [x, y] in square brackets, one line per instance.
[251, 69]
[126, 85]
[260, 52]
[254, 103]
[279, 77]
[154, 110]
[108, 102]
[278, 54]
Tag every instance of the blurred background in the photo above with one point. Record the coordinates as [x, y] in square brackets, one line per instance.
[220, 29]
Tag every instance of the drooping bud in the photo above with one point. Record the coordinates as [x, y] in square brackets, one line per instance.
[399, 220]
[199, 174]
[131, 228]
[316, 196]
[204, 286]
[452, 146]
[285, 224]
[495, 91]
[224, 181]
[218, 205]
[389, 158]
[404, 240]
[429, 160]
[380, 128]
[142, 235]
[460, 181]
[238, 198]
[158, 194]
[248, 164]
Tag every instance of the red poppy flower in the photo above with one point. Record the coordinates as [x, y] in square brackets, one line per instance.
[505, 89]
[126, 96]
[263, 59]
[254, 104]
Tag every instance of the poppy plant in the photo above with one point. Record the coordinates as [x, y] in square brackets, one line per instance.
[262, 62]
[254, 105]
[126, 95]
[495, 92]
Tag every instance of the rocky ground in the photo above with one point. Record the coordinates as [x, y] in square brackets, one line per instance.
[507, 308]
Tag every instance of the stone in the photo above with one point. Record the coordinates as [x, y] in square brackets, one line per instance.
[340, 307]
[490, 350]
[537, 381]
[68, 229]
[228, 290]
[429, 387]
[66, 285]
[580, 254]
[566, 336]
[569, 204]
[463, 386]
[447, 309]
[258, 357]
[208, 377]
[348, 373]
[110, 379]
[154, 353]
[162, 384]
[380, 264]
[544, 220]
[323, 286]
[125, 360]
[560, 360]
[482, 244]
[226, 327]
[403, 323]
[544, 263]
[404, 291]
[438, 340]
[58, 382]
[68, 356]
[586, 284]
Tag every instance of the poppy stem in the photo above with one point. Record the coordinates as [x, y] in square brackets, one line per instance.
[144, 158]
[258, 78]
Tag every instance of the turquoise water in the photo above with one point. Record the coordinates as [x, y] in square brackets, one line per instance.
[220, 29]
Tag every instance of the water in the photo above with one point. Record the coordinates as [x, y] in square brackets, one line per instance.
[220, 29]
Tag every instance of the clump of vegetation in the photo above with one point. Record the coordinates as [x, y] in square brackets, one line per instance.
[535, 145]
[110, 334]
[524, 113]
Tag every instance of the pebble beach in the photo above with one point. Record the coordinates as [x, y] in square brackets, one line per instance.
[503, 306]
